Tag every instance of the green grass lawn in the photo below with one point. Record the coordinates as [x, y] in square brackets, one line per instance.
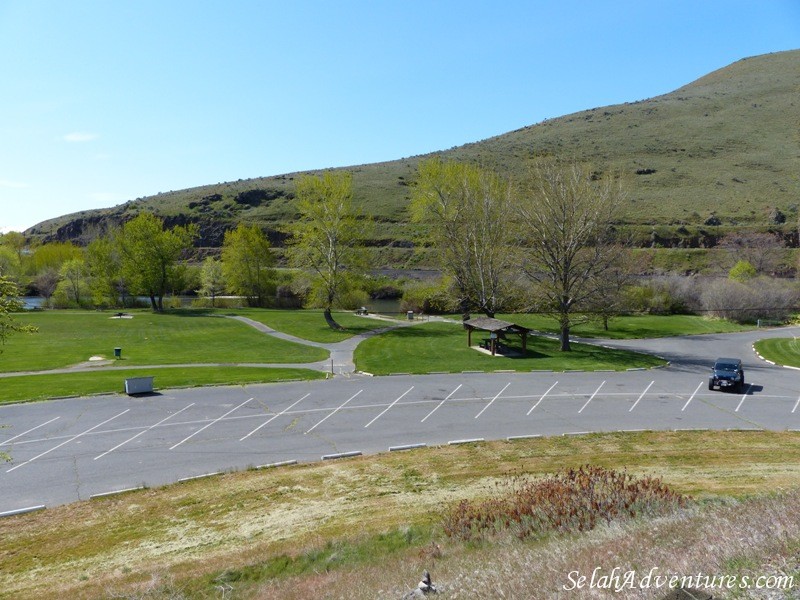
[310, 324]
[70, 337]
[437, 346]
[782, 351]
[41, 387]
[632, 327]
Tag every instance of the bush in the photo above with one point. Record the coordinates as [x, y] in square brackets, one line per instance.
[427, 297]
[759, 298]
[668, 295]
[569, 501]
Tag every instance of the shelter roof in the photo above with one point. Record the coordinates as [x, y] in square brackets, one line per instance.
[487, 324]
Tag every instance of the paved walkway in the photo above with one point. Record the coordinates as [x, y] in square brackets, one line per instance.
[341, 361]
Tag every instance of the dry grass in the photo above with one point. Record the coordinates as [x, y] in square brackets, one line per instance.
[182, 537]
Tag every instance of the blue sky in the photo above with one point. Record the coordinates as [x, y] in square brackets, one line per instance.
[107, 101]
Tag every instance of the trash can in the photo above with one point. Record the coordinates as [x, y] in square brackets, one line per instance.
[117, 352]
[410, 315]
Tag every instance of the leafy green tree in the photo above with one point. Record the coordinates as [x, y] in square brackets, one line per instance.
[53, 255]
[9, 262]
[150, 255]
[10, 304]
[247, 264]
[73, 280]
[326, 238]
[742, 272]
[567, 214]
[14, 240]
[107, 284]
[212, 280]
[471, 229]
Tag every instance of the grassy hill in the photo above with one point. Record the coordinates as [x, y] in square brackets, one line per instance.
[726, 145]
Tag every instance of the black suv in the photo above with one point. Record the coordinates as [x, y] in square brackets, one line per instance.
[727, 373]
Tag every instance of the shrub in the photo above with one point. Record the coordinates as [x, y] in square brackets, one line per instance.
[569, 501]
[429, 297]
[759, 298]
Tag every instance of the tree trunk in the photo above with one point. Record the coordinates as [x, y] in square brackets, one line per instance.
[329, 320]
[153, 302]
[564, 337]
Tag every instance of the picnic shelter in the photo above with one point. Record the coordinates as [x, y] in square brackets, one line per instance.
[498, 330]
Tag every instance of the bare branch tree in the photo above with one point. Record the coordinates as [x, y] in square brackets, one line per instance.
[567, 216]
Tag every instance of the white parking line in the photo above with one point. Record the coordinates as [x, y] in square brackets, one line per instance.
[217, 420]
[591, 398]
[692, 396]
[74, 437]
[795, 405]
[273, 417]
[143, 432]
[29, 430]
[450, 395]
[747, 391]
[542, 398]
[388, 407]
[492, 400]
[640, 397]
[337, 409]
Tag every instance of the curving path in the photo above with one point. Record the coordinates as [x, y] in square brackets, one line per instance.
[67, 450]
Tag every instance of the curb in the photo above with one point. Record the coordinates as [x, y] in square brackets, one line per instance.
[341, 455]
[469, 441]
[407, 447]
[22, 511]
[116, 492]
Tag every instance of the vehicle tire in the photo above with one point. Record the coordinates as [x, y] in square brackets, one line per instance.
[710, 385]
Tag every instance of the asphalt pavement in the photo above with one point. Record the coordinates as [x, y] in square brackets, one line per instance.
[73, 449]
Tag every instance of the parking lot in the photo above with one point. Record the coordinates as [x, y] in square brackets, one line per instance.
[72, 449]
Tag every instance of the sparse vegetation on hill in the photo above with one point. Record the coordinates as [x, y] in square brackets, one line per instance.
[716, 154]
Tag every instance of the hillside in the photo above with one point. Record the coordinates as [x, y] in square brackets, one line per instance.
[726, 145]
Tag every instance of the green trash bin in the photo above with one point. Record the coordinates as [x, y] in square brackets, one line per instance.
[117, 352]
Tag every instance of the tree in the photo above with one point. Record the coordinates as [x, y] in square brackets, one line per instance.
[212, 281]
[73, 279]
[247, 264]
[762, 250]
[567, 215]
[46, 283]
[108, 286]
[325, 238]
[149, 255]
[742, 272]
[9, 304]
[53, 255]
[471, 229]
[9, 262]
[14, 240]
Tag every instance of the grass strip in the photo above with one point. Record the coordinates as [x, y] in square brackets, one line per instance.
[310, 324]
[781, 351]
[24, 388]
[633, 326]
[438, 346]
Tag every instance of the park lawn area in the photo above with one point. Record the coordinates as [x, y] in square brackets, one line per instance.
[310, 324]
[781, 351]
[181, 337]
[442, 346]
[632, 326]
[23, 388]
